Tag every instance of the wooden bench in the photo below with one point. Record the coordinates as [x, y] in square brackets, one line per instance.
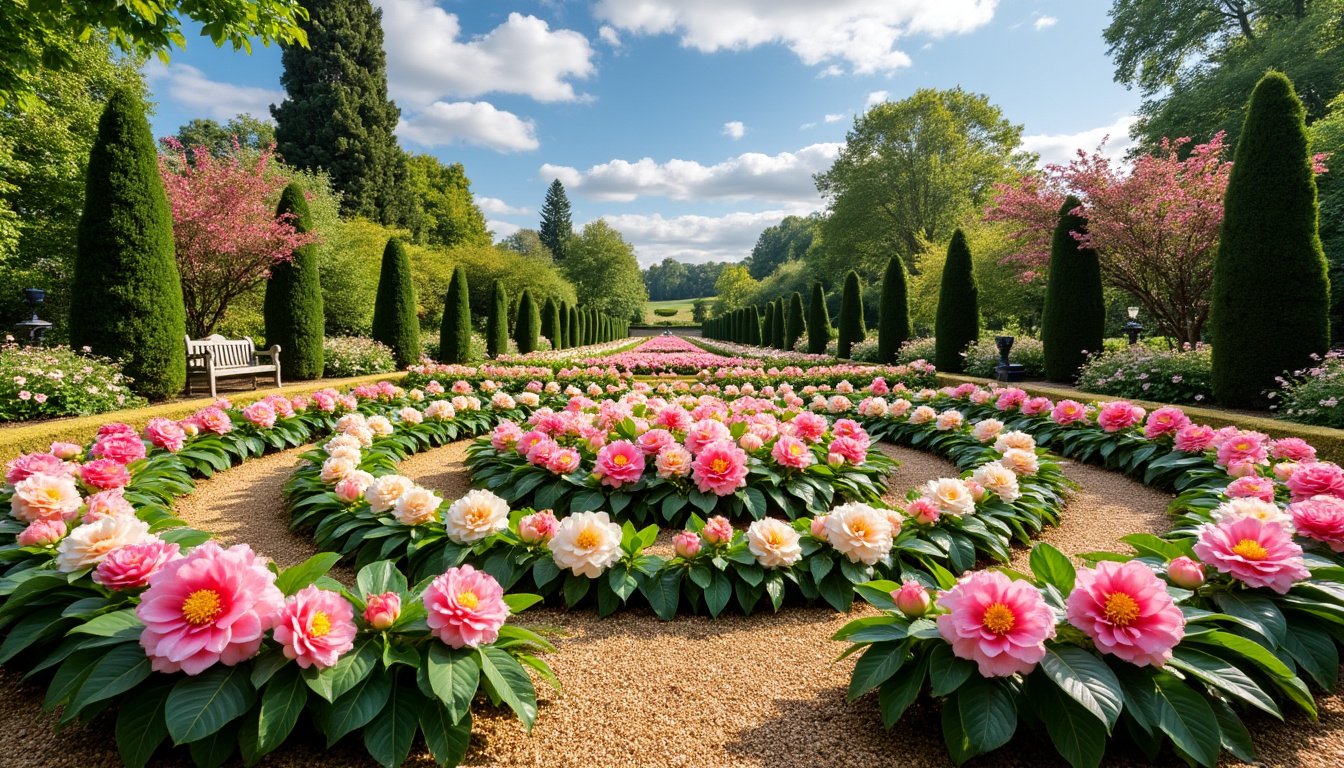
[216, 357]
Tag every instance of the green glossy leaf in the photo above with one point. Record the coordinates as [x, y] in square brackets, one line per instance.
[897, 694]
[1052, 567]
[876, 666]
[281, 704]
[357, 707]
[1187, 719]
[389, 736]
[946, 671]
[454, 675]
[201, 705]
[1222, 675]
[447, 741]
[297, 577]
[379, 577]
[1085, 679]
[1078, 735]
[123, 667]
[333, 682]
[988, 715]
[510, 682]
[140, 725]
[1256, 611]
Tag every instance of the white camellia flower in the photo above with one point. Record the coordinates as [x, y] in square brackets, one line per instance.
[409, 415]
[1262, 510]
[476, 516]
[951, 495]
[987, 430]
[380, 426]
[774, 543]
[859, 532]
[336, 468]
[949, 420]
[1016, 439]
[416, 506]
[586, 543]
[998, 480]
[1021, 461]
[340, 441]
[351, 421]
[923, 415]
[88, 544]
[383, 492]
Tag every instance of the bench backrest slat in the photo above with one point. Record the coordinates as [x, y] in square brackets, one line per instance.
[227, 353]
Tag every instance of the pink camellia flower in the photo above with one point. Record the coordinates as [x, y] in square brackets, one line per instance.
[505, 435]
[45, 497]
[721, 468]
[809, 426]
[382, 611]
[1036, 406]
[1118, 414]
[1256, 552]
[67, 451]
[316, 627]
[541, 451]
[1292, 449]
[852, 450]
[563, 461]
[1316, 478]
[213, 419]
[260, 414]
[529, 440]
[104, 474]
[686, 544]
[537, 527]
[43, 533]
[655, 440]
[350, 489]
[717, 531]
[1251, 487]
[1068, 412]
[1185, 573]
[924, 510]
[998, 623]
[1009, 398]
[212, 606]
[1165, 421]
[673, 461]
[466, 607]
[1127, 612]
[106, 504]
[912, 599]
[132, 566]
[121, 447]
[166, 434]
[1243, 448]
[818, 527]
[1320, 518]
[29, 464]
[114, 428]
[791, 452]
[619, 463]
[705, 432]
[1194, 438]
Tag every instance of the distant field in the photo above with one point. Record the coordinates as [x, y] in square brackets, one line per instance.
[684, 309]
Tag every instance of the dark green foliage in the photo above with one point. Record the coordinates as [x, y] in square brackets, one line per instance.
[768, 324]
[455, 333]
[851, 315]
[336, 115]
[497, 321]
[562, 331]
[550, 322]
[394, 312]
[794, 326]
[957, 324]
[128, 293]
[556, 227]
[781, 323]
[893, 324]
[1271, 298]
[818, 322]
[527, 325]
[572, 333]
[753, 326]
[1074, 320]
[293, 305]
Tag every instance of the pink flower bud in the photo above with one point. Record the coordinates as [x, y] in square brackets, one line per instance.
[350, 489]
[924, 511]
[977, 490]
[383, 610]
[1186, 573]
[42, 533]
[1284, 470]
[835, 459]
[686, 544]
[912, 599]
[750, 442]
[818, 527]
[537, 527]
[67, 451]
[718, 530]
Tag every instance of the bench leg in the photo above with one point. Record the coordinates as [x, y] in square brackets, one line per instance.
[213, 395]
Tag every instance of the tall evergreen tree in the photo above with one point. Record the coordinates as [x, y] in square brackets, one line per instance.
[794, 325]
[455, 333]
[562, 332]
[1073, 322]
[852, 330]
[781, 324]
[293, 304]
[957, 323]
[556, 227]
[497, 321]
[394, 312]
[129, 293]
[893, 324]
[818, 322]
[528, 324]
[336, 115]
[768, 324]
[1271, 295]
[574, 328]
[550, 322]
[753, 326]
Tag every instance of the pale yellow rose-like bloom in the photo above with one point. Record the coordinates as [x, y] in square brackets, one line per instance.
[380, 426]
[859, 532]
[951, 495]
[998, 480]
[351, 421]
[476, 516]
[349, 452]
[986, 430]
[383, 492]
[949, 420]
[586, 544]
[341, 440]
[88, 544]
[416, 506]
[1016, 439]
[416, 395]
[529, 399]
[775, 543]
[899, 407]
[45, 497]
[410, 416]
[1235, 509]
[440, 410]
[502, 401]
[363, 435]
[335, 468]
[1021, 461]
[923, 415]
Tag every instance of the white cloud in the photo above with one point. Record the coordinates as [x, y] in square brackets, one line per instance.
[833, 118]
[832, 70]
[468, 122]
[860, 33]
[734, 129]
[609, 36]
[807, 126]
[500, 208]
[693, 238]
[502, 229]
[1044, 22]
[427, 62]
[784, 178]
[876, 97]
[1063, 147]
[188, 87]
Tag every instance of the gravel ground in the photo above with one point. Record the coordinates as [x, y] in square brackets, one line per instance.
[737, 691]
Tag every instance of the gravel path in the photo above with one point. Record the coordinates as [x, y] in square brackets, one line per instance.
[737, 691]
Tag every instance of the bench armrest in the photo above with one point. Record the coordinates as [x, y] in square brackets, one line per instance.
[271, 353]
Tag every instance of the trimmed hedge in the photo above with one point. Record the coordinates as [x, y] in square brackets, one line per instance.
[794, 325]
[957, 324]
[527, 324]
[497, 321]
[1073, 322]
[293, 303]
[455, 332]
[818, 322]
[851, 316]
[394, 311]
[893, 324]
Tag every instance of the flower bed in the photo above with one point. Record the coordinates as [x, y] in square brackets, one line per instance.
[1178, 376]
[48, 382]
[1313, 395]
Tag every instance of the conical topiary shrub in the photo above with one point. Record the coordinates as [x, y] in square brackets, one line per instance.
[293, 305]
[794, 325]
[527, 325]
[394, 312]
[753, 326]
[563, 331]
[455, 333]
[893, 324]
[768, 324]
[957, 323]
[818, 322]
[126, 291]
[851, 315]
[1271, 307]
[497, 321]
[781, 322]
[550, 322]
[1074, 320]
[573, 337]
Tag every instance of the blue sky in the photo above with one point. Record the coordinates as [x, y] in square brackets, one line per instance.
[690, 125]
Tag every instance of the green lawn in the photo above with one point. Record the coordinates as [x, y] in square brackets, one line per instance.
[684, 308]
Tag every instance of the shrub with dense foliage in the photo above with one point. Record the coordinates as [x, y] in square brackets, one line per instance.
[893, 325]
[852, 330]
[527, 324]
[1180, 375]
[48, 382]
[818, 321]
[497, 321]
[1074, 319]
[293, 305]
[982, 357]
[1314, 395]
[348, 356]
[957, 324]
[394, 310]
[455, 333]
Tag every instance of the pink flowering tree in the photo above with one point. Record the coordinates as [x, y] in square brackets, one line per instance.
[1154, 226]
[225, 228]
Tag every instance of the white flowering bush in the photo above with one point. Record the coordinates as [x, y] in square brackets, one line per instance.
[354, 356]
[1313, 395]
[48, 382]
[1182, 375]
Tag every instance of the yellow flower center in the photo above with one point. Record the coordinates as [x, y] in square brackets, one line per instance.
[999, 619]
[321, 624]
[718, 465]
[1121, 609]
[468, 599]
[201, 607]
[859, 528]
[795, 450]
[774, 538]
[1250, 549]
[587, 539]
[620, 460]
